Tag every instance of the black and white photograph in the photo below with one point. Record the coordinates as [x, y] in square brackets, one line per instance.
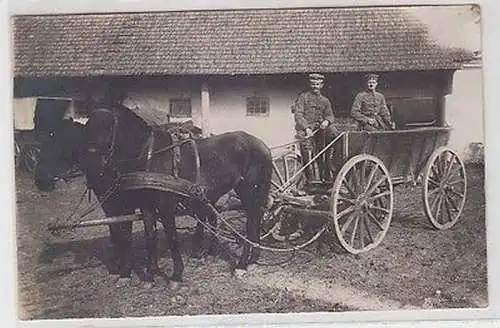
[243, 161]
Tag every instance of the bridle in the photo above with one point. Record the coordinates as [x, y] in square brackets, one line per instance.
[110, 151]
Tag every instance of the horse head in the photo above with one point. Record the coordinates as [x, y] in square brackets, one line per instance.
[114, 140]
[61, 145]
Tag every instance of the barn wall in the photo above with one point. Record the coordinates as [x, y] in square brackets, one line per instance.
[228, 108]
[228, 98]
[464, 112]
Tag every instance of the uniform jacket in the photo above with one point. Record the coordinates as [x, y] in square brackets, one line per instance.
[311, 109]
[368, 104]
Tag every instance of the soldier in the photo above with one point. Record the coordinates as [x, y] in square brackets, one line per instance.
[313, 111]
[369, 108]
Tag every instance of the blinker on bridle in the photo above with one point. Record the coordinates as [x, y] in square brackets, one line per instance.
[111, 149]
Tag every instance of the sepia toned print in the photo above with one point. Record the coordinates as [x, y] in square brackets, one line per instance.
[298, 160]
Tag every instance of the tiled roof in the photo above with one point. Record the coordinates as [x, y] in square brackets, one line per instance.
[264, 41]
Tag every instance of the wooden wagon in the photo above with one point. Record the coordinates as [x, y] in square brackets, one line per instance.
[360, 203]
[357, 207]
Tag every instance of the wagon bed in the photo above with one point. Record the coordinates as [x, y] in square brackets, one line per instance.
[368, 165]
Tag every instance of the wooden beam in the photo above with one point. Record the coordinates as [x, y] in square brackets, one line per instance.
[205, 110]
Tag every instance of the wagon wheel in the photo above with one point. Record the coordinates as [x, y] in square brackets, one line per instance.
[362, 203]
[284, 169]
[30, 157]
[445, 186]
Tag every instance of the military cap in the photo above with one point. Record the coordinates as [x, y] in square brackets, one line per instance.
[371, 76]
[316, 77]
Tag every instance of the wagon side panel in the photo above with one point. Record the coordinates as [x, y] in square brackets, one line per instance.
[404, 152]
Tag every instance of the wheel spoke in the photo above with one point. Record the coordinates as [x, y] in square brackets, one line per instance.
[363, 176]
[458, 194]
[433, 191]
[348, 210]
[347, 200]
[275, 184]
[434, 201]
[448, 209]
[456, 181]
[348, 222]
[438, 208]
[375, 186]
[383, 194]
[378, 208]
[365, 219]
[285, 168]
[370, 177]
[278, 173]
[354, 230]
[375, 220]
[435, 171]
[355, 180]
[434, 182]
[450, 165]
[345, 183]
[362, 231]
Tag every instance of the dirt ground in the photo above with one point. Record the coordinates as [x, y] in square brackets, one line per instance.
[415, 267]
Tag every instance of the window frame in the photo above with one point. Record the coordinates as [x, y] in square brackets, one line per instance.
[174, 100]
[254, 99]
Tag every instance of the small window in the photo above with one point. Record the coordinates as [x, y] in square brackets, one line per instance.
[257, 106]
[180, 107]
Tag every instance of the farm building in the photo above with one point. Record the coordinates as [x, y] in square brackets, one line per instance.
[239, 69]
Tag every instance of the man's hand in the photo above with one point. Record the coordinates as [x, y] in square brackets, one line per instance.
[371, 121]
[309, 132]
[324, 124]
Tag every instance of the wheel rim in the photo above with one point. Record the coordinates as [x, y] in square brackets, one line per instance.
[445, 187]
[362, 203]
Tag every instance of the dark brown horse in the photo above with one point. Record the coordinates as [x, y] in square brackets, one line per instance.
[118, 141]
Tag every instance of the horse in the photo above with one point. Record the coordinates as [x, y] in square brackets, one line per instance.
[61, 150]
[118, 141]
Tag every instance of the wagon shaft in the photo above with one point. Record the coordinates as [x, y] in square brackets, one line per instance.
[91, 223]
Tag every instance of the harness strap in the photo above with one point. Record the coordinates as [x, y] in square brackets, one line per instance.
[178, 141]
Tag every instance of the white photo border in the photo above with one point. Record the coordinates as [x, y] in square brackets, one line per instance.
[449, 318]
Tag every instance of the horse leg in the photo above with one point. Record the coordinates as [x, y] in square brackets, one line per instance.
[168, 221]
[125, 249]
[197, 241]
[150, 233]
[213, 243]
[114, 234]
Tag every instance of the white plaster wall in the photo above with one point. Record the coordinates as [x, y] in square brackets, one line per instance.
[228, 111]
[464, 110]
[151, 98]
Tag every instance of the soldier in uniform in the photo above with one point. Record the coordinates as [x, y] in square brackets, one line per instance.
[313, 111]
[369, 108]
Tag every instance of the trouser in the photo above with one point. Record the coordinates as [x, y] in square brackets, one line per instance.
[309, 147]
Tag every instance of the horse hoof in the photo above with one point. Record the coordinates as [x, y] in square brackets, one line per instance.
[174, 285]
[123, 282]
[239, 273]
[147, 285]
